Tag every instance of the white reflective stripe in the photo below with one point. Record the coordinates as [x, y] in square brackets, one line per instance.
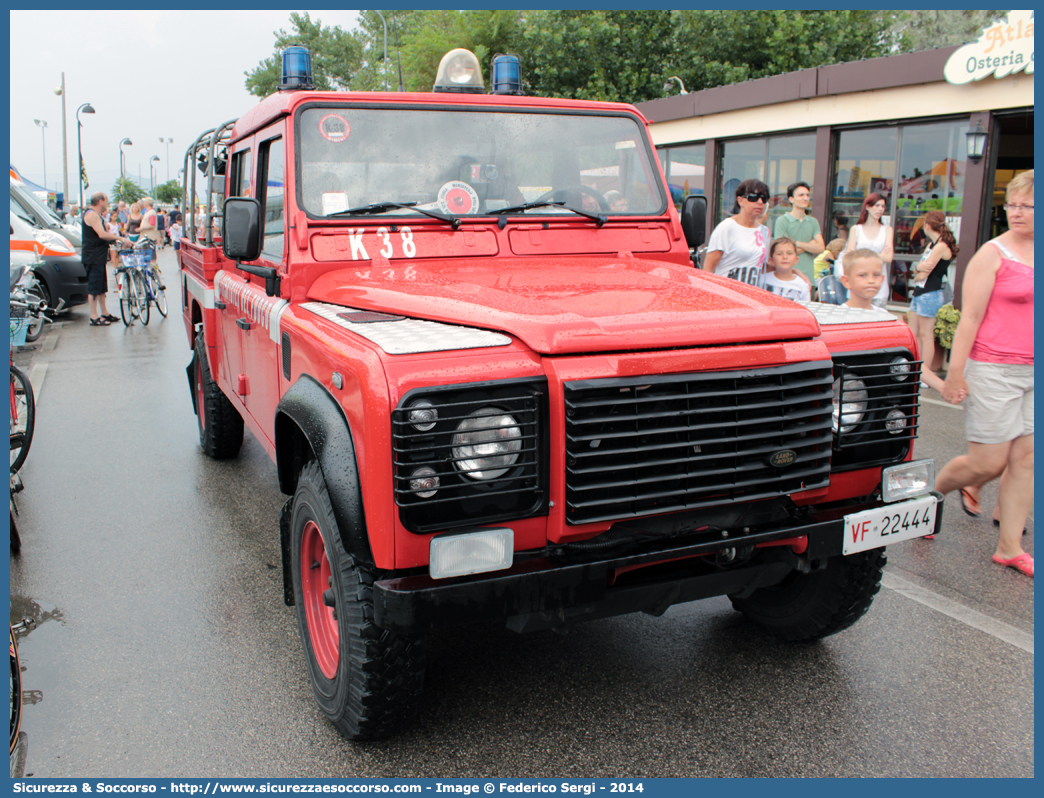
[275, 317]
[251, 301]
[204, 295]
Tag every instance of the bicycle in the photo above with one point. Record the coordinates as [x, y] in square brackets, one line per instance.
[157, 292]
[25, 312]
[134, 302]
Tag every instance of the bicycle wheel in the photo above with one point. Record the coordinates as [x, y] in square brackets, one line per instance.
[128, 303]
[23, 417]
[160, 298]
[143, 298]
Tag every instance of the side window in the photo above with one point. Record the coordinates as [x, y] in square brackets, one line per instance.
[270, 192]
[241, 174]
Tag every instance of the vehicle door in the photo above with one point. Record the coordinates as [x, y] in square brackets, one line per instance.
[229, 282]
[253, 316]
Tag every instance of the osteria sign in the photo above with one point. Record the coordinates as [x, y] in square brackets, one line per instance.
[1002, 50]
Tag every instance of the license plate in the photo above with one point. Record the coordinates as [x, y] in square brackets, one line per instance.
[872, 529]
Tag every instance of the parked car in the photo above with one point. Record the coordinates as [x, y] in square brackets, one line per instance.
[42, 215]
[62, 278]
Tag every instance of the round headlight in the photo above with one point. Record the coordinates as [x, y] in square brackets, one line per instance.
[486, 444]
[423, 416]
[425, 482]
[850, 408]
[900, 368]
[895, 421]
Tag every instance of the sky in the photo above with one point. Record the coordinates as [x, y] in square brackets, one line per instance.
[147, 74]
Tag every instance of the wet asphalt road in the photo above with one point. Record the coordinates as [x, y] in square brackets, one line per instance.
[163, 647]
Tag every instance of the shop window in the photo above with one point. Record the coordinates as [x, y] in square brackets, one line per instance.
[930, 176]
[932, 165]
[776, 160]
[684, 169]
[865, 164]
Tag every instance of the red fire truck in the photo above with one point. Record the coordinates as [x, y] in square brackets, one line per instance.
[467, 329]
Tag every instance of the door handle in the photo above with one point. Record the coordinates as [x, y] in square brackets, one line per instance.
[219, 304]
[243, 324]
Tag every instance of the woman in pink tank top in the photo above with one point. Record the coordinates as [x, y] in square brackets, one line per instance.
[992, 360]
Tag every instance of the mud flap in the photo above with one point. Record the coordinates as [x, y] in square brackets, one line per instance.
[190, 370]
[284, 548]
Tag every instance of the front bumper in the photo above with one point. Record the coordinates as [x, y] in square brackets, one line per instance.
[550, 591]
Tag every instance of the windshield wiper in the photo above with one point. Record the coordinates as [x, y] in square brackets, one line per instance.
[597, 218]
[381, 207]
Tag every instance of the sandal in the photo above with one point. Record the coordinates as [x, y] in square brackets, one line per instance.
[970, 504]
[110, 317]
[101, 321]
[1023, 563]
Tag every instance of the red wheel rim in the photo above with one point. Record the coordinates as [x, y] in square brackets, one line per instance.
[315, 580]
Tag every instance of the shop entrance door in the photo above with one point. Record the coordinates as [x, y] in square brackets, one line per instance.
[1014, 155]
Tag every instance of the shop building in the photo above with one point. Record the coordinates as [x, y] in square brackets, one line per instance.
[943, 129]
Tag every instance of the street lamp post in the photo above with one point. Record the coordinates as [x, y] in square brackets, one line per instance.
[168, 141]
[129, 143]
[42, 124]
[152, 174]
[384, 64]
[87, 109]
[60, 91]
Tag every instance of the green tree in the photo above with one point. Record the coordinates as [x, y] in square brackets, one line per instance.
[924, 29]
[598, 55]
[721, 47]
[336, 56]
[168, 193]
[374, 72]
[126, 190]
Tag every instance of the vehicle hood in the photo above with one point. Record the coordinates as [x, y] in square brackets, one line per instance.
[573, 305]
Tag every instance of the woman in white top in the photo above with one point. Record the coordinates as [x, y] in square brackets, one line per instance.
[869, 233]
[739, 246]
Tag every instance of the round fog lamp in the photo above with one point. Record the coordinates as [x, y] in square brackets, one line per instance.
[425, 482]
[900, 368]
[850, 408]
[423, 416]
[486, 444]
[895, 421]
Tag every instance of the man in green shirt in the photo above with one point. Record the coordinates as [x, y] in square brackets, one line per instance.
[801, 227]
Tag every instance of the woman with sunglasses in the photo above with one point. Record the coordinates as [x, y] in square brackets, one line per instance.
[738, 247]
[869, 233]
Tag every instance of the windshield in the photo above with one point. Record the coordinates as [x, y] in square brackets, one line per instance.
[466, 162]
[31, 200]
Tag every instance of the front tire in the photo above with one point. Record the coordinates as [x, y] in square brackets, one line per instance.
[143, 298]
[220, 425]
[366, 680]
[811, 606]
[161, 301]
[23, 417]
[128, 300]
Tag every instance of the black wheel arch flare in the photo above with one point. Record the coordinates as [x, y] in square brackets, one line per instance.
[308, 411]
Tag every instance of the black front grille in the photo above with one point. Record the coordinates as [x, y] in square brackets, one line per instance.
[657, 444]
[512, 486]
[883, 391]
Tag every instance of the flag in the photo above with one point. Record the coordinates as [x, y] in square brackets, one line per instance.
[83, 173]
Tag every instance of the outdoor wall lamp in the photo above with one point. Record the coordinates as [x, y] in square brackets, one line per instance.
[667, 85]
[976, 143]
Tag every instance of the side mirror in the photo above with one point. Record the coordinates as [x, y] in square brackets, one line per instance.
[694, 220]
[241, 237]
